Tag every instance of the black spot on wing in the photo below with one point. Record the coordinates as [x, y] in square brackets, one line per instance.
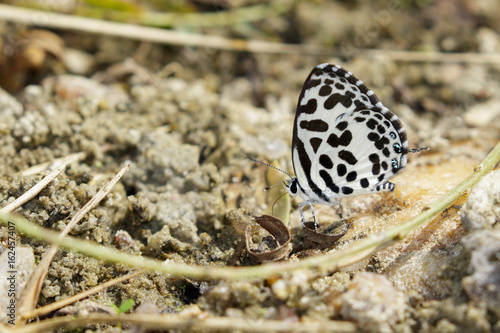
[380, 144]
[351, 176]
[364, 183]
[372, 136]
[334, 99]
[341, 170]
[311, 83]
[347, 190]
[325, 161]
[316, 125]
[333, 140]
[342, 125]
[325, 90]
[346, 138]
[348, 157]
[328, 181]
[374, 158]
[371, 123]
[364, 90]
[359, 105]
[310, 107]
[381, 129]
[315, 143]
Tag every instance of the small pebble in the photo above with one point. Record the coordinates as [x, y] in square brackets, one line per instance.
[373, 303]
[482, 210]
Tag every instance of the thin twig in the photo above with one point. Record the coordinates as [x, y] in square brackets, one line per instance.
[47, 165]
[329, 261]
[131, 31]
[32, 291]
[84, 294]
[414, 56]
[175, 321]
[171, 37]
[32, 192]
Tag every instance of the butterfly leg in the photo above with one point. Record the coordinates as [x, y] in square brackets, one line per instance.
[391, 186]
[387, 186]
[340, 212]
[301, 206]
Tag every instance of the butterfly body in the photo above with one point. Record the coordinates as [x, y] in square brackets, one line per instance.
[345, 141]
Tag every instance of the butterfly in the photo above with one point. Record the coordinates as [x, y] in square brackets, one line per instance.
[345, 141]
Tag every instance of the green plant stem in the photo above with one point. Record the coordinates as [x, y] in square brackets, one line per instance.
[217, 19]
[329, 261]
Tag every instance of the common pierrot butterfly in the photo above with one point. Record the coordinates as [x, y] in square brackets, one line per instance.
[345, 141]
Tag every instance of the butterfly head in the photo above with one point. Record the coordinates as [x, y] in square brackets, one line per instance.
[292, 187]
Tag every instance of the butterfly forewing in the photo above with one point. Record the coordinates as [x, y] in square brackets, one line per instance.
[344, 141]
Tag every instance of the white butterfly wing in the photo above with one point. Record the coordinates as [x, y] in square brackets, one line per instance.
[345, 141]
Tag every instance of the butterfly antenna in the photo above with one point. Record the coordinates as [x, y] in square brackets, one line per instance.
[271, 166]
[275, 201]
[270, 187]
[417, 150]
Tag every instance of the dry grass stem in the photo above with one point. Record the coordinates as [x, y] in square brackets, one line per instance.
[176, 321]
[51, 164]
[32, 292]
[32, 192]
[171, 37]
[84, 294]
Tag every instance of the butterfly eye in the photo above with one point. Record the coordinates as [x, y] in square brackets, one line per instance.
[292, 187]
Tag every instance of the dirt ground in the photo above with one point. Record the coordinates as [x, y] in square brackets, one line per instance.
[185, 118]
